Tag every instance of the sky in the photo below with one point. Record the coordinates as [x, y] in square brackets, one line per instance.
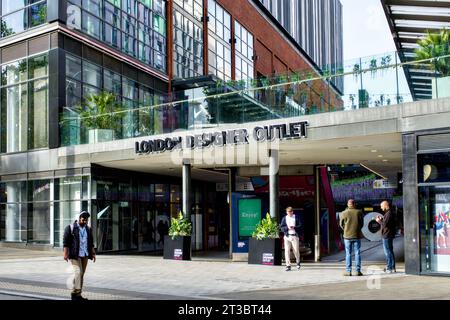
[367, 34]
[366, 31]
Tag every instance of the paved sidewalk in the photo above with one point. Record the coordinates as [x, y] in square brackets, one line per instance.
[116, 277]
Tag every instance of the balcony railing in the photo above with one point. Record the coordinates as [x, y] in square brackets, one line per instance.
[371, 82]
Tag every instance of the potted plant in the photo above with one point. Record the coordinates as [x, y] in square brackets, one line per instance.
[177, 245]
[100, 115]
[437, 47]
[265, 244]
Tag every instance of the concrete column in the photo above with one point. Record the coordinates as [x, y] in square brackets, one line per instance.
[274, 185]
[231, 189]
[411, 205]
[186, 188]
[317, 215]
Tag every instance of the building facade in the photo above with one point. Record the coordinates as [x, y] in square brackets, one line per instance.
[316, 26]
[61, 57]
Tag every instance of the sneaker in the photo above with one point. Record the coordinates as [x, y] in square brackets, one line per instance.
[359, 274]
[298, 266]
[388, 271]
[347, 274]
[288, 268]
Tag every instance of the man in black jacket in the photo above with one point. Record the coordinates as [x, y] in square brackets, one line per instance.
[290, 226]
[388, 230]
[79, 247]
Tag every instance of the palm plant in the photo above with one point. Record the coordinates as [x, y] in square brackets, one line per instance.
[434, 46]
[100, 111]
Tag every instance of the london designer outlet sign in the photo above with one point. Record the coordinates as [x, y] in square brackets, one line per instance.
[295, 130]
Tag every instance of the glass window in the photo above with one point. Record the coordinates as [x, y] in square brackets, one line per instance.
[113, 36]
[68, 188]
[112, 82]
[93, 6]
[112, 14]
[14, 72]
[38, 114]
[39, 211]
[91, 25]
[434, 222]
[14, 23]
[159, 24]
[15, 112]
[73, 93]
[10, 6]
[12, 213]
[38, 14]
[92, 74]
[73, 67]
[38, 66]
[434, 167]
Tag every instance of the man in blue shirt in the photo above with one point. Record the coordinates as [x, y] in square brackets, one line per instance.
[79, 247]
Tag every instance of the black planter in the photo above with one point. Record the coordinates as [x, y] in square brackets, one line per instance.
[267, 252]
[177, 249]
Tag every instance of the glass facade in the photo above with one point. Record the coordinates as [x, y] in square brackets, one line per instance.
[187, 38]
[24, 104]
[27, 208]
[244, 53]
[434, 211]
[85, 80]
[20, 15]
[219, 41]
[136, 27]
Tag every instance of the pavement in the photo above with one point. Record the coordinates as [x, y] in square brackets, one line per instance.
[45, 275]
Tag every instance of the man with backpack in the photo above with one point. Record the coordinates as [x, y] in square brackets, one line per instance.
[79, 247]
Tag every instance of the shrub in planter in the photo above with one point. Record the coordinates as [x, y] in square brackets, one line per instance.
[265, 244]
[177, 245]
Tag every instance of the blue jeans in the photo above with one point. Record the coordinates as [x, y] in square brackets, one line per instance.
[388, 246]
[349, 246]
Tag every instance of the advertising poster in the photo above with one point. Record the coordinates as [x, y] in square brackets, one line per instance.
[249, 216]
[442, 229]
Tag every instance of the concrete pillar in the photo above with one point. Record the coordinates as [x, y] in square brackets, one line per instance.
[317, 215]
[274, 185]
[411, 205]
[231, 189]
[186, 188]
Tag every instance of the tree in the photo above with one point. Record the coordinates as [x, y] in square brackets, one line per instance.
[434, 46]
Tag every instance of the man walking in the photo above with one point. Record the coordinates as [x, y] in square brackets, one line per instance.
[290, 226]
[388, 230]
[351, 221]
[79, 247]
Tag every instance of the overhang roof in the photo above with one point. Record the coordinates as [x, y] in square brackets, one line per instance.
[409, 21]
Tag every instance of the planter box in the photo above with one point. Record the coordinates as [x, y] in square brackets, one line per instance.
[100, 135]
[266, 252]
[441, 87]
[178, 249]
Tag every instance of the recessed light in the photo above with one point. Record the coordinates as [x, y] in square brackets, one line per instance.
[380, 156]
[374, 151]
[385, 160]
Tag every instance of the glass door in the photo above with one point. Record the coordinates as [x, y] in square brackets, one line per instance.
[434, 214]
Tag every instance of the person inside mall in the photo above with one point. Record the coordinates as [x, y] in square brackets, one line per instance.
[78, 248]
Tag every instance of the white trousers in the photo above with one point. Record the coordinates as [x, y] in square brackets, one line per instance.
[79, 268]
[291, 242]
